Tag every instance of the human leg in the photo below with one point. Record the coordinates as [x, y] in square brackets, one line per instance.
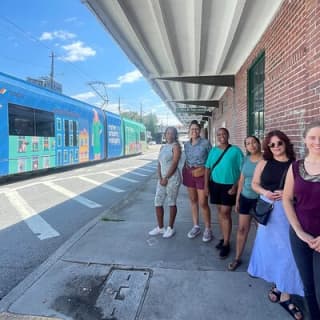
[158, 203]
[173, 213]
[242, 235]
[160, 214]
[203, 202]
[224, 216]
[193, 197]
[304, 257]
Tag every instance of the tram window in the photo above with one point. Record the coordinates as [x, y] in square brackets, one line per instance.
[142, 136]
[44, 123]
[21, 121]
[75, 135]
[66, 133]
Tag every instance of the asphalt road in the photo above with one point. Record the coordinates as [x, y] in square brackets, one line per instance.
[38, 215]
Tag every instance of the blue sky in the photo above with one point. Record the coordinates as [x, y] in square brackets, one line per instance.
[30, 30]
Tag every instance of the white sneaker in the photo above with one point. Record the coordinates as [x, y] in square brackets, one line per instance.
[156, 231]
[169, 233]
[207, 235]
[195, 231]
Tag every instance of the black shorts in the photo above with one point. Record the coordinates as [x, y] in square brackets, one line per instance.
[219, 194]
[246, 205]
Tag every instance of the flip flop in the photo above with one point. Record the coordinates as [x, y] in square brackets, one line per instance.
[275, 294]
[292, 309]
[234, 264]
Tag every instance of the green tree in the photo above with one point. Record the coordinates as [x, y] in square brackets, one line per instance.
[131, 115]
[150, 120]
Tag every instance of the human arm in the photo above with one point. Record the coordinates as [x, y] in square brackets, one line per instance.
[256, 181]
[176, 150]
[207, 174]
[287, 201]
[237, 163]
[240, 186]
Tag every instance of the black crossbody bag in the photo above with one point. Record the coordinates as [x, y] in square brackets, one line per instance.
[264, 208]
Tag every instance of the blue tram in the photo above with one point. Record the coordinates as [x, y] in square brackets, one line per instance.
[41, 129]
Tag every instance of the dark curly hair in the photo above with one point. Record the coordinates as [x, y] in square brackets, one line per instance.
[268, 155]
[196, 123]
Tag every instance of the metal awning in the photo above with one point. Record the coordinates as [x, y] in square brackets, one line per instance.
[189, 50]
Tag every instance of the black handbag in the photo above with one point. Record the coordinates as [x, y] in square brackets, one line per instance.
[263, 208]
[262, 211]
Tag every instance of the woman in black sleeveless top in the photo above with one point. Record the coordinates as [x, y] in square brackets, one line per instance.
[272, 258]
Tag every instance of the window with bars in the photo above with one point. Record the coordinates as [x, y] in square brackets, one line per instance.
[256, 98]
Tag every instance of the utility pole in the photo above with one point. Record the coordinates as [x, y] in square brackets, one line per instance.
[52, 56]
[119, 106]
[141, 112]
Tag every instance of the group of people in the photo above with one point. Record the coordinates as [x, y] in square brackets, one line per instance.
[286, 250]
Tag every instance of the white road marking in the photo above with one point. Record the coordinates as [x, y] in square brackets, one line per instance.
[103, 185]
[35, 222]
[135, 173]
[143, 169]
[120, 177]
[86, 202]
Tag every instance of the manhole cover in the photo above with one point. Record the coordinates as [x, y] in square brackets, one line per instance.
[123, 293]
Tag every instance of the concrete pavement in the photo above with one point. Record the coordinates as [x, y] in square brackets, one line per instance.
[112, 269]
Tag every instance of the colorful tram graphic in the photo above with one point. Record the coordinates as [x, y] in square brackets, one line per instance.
[41, 129]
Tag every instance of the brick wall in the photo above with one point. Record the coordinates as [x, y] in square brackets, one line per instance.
[292, 76]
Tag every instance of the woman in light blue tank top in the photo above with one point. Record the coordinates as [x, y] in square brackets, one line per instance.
[246, 197]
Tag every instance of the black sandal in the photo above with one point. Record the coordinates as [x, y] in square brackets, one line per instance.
[275, 293]
[291, 308]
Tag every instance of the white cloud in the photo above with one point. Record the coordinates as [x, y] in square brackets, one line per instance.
[77, 52]
[59, 34]
[129, 77]
[71, 19]
[85, 96]
[114, 85]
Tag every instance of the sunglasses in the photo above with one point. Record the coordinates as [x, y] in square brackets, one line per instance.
[275, 144]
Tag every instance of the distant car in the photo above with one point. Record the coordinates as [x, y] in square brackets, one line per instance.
[152, 142]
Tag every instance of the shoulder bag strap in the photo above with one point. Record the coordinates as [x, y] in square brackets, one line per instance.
[283, 179]
[221, 156]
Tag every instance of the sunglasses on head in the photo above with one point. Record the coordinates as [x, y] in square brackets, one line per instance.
[275, 144]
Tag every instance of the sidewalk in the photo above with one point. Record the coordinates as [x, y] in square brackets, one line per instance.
[112, 269]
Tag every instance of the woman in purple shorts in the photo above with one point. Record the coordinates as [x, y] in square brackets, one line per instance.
[196, 151]
[302, 206]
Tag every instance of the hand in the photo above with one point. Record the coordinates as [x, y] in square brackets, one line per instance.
[237, 207]
[315, 244]
[270, 195]
[206, 191]
[232, 191]
[278, 194]
[304, 236]
[164, 181]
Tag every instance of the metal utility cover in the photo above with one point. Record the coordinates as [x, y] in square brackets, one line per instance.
[123, 293]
